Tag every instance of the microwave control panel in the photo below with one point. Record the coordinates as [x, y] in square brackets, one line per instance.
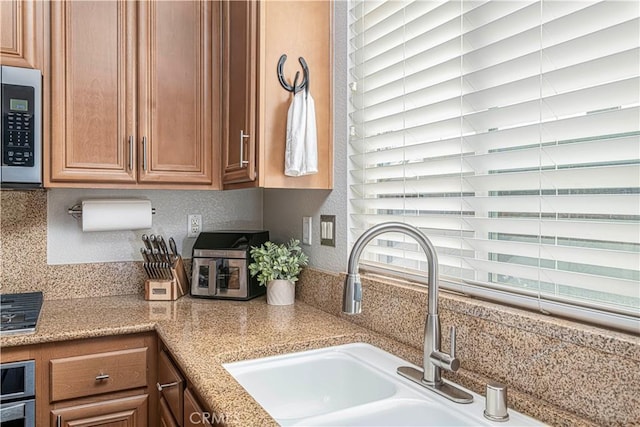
[17, 125]
[21, 135]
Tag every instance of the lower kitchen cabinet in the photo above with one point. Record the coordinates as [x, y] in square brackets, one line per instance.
[166, 417]
[194, 414]
[178, 404]
[98, 382]
[171, 386]
[125, 380]
[128, 411]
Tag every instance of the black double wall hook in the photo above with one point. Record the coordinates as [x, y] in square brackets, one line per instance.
[305, 78]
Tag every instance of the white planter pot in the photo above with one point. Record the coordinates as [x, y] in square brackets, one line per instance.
[281, 292]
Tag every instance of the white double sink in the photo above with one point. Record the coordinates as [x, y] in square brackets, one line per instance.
[352, 385]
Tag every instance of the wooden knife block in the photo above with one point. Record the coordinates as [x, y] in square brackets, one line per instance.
[168, 290]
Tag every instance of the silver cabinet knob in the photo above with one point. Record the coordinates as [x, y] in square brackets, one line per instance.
[495, 407]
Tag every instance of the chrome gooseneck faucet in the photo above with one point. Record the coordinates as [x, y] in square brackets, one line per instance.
[434, 359]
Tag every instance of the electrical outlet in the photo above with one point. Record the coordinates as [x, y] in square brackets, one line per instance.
[194, 225]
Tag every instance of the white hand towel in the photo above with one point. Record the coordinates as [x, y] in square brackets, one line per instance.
[301, 156]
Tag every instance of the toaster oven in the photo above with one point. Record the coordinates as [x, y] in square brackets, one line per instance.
[220, 265]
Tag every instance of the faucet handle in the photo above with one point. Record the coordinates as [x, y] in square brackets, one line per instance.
[447, 361]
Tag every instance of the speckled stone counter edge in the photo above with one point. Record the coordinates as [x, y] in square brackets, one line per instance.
[188, 328]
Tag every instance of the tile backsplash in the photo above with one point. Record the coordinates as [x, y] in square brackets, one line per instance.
[23, 257]
[43, 248]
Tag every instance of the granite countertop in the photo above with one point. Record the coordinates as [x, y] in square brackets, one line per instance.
[203, 334]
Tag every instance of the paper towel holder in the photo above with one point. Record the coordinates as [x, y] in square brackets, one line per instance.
[76, 211]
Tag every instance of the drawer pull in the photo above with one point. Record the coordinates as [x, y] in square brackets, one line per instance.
[161, 387]
[102, 377]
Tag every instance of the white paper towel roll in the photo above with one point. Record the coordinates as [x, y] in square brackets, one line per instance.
[113, 214]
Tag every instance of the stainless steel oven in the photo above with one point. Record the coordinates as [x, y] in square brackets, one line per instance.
[17, 394]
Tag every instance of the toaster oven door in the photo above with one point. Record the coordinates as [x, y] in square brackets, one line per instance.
[203, 277]
[219, 278]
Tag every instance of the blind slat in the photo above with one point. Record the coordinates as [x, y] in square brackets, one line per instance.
[509, 132]
[582, 281]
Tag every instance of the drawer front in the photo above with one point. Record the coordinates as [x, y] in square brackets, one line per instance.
[171, 385]
[91, 374]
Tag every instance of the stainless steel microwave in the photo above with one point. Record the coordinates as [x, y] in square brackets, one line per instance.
[21, 128]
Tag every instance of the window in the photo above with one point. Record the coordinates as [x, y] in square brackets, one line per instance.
[508, 132]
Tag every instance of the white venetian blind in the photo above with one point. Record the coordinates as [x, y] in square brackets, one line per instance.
[507, 131]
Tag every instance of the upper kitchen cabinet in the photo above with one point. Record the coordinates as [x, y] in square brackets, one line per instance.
[255, 105]
[22, 27]
[239, 28]
[176, 83]
[135, 103]
[93, 98]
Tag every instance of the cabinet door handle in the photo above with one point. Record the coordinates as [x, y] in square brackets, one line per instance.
[243, 162]
[161, 387]
[59, 421]
[102, 377]
[144, 153]
[130, 152]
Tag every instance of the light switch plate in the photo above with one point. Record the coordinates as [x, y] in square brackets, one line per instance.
[328, 230]
[306, 230]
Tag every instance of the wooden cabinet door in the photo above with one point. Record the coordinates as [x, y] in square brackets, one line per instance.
[125, 412]
[308, 34]
[171, 383]
[239, 76]
[166, 418]
[21, 33]
[175, 91]
[93, 91]
[194, 415]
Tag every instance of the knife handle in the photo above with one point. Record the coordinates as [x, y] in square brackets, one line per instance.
[147, 243]
[163, 248]
[174, 248]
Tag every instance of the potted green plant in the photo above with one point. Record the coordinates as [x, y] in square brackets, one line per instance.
[277, 267]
